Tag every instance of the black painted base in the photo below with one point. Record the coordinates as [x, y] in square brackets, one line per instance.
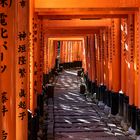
[79, 73]
[114, 103]
[132, 116]
[125, 108]
[104, 94]
[93, 86]
[97, 92]
[138, 121]
[108, 92]
[40, 104]
[82, 89]
[50, 91]
[69, 65]
[89, 84]
[45, 79]
[102, 89]
[121, 104]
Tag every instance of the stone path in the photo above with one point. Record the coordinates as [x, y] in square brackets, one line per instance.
[72, 117]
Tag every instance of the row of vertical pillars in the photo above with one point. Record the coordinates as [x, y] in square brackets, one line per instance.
[110, 68]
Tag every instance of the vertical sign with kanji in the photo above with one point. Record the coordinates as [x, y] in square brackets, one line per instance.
[7, 97]
[22, 42]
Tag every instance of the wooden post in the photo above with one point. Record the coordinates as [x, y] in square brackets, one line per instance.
[130, 63]
[106, 76]
[137, 70]
[116, 70]
[110, 57]
[21, 65]
[31, 57]
[123, 54]
[116, 56]
[7, 71]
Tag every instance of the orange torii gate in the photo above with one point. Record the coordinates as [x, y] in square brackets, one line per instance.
[24, 59]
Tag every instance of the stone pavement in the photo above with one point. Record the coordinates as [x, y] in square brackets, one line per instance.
[72, 117]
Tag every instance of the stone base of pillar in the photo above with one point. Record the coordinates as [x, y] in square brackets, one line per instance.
[121, 104]
[114, 103]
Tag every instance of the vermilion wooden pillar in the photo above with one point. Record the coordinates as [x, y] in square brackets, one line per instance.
[21, 65]
[92, 51]
[130, 67]
[98, 58]
[123, 98]
[137, 60]
[123, 53]
[116, 69]
[110, 57]
[106, 58]
[73, 51]
[130, 63]
[61, 52]
[84, 56]
[31, 62]
[45, 55]
[116, 56]
[35, 61]
[88, 58]
[70, 47]
[0, 96]
[137, 70]
[41, 53]
[102, 56]
[7, 71]
[85, 44]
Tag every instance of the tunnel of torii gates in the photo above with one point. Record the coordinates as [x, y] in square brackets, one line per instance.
[104, 36]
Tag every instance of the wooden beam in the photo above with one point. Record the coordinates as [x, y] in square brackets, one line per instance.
[76, 23]
[67, 38]
[69, 13]
[86, 3]
[70, 31]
